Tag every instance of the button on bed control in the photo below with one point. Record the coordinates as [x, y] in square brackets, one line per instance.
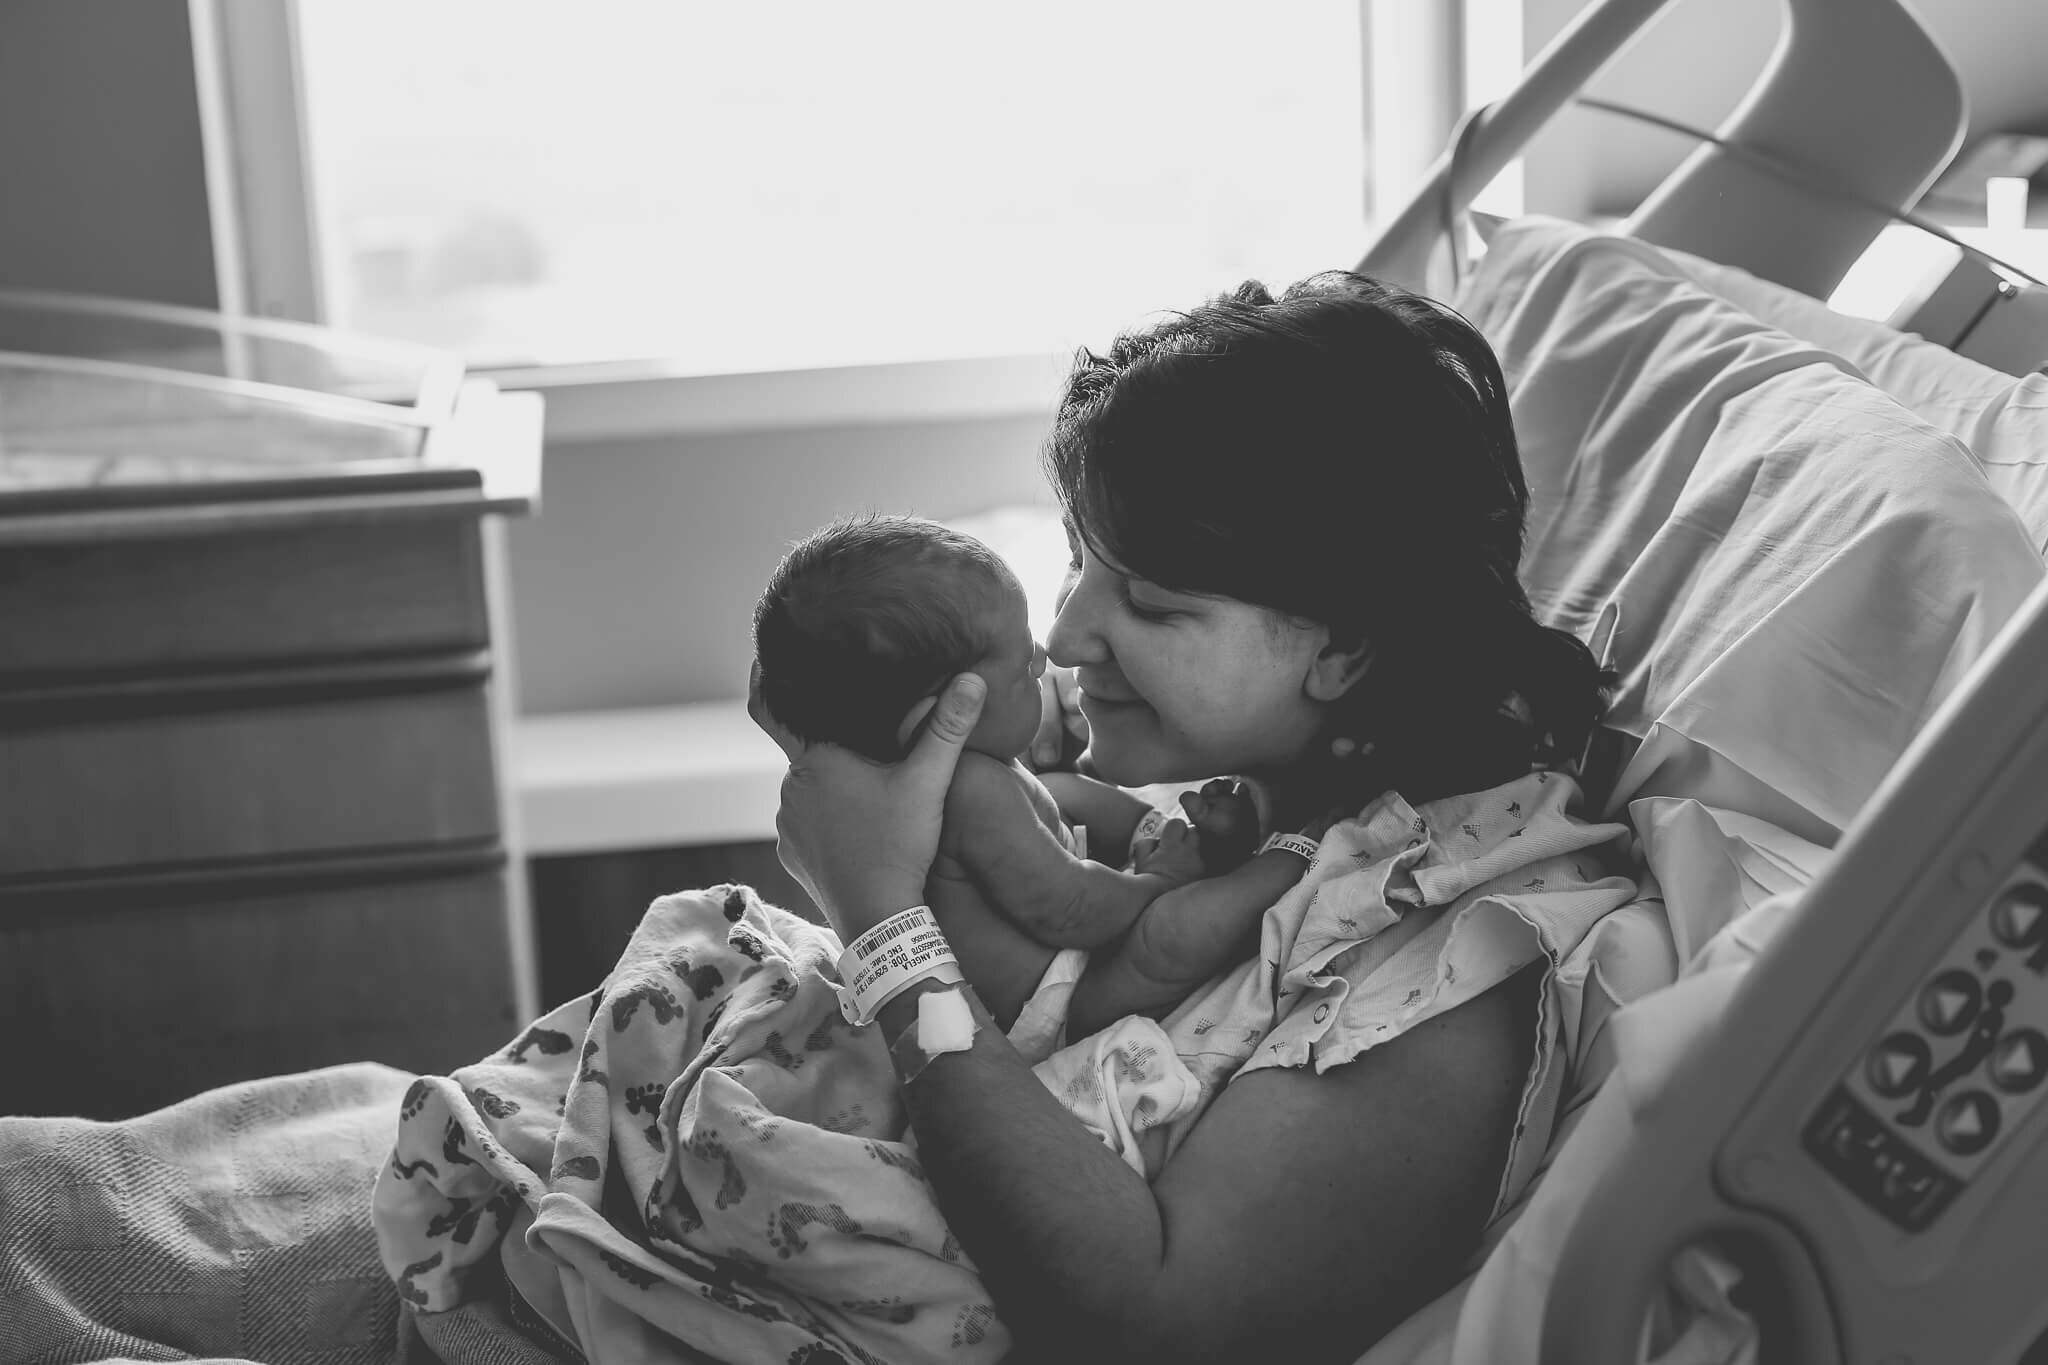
[1871, 1162]
[1950, 1002]
[2019, 1061]
[1898, 1065]
[1967, 1124]
[2020, 918]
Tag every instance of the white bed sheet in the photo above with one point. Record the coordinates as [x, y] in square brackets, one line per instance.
[1795, 570]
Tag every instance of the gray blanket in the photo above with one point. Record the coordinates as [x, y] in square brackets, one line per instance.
[232, 1226]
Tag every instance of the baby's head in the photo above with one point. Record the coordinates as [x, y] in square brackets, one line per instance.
[866, 617]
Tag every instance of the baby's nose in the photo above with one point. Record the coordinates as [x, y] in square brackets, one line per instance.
[1037, 660]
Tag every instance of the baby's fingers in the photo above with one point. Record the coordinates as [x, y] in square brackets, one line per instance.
[1221, 807]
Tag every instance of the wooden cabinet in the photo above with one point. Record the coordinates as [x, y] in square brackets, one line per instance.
[251, 809]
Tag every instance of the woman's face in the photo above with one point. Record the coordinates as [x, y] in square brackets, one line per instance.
[1178, 686]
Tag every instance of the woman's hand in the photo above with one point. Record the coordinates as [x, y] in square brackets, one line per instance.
[859, 835]
[1062, 729]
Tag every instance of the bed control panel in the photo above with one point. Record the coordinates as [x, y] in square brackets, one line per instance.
[1856, 1119]
[1960, 1065]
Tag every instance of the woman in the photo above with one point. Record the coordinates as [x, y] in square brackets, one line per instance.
[1296, 525]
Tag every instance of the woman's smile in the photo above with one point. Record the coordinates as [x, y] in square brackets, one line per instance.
[1106, 697]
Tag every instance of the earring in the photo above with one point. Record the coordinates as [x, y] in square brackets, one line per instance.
[1343, 746]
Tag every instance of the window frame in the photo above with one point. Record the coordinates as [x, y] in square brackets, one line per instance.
[252, 117]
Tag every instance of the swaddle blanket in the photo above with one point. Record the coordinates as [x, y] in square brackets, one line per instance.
[703, 1151]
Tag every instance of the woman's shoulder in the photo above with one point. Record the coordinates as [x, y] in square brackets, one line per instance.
[1414, 908]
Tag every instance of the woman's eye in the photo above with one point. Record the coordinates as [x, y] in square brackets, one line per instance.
[1144, 613]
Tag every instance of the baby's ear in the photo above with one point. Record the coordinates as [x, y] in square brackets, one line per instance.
[1337, 667]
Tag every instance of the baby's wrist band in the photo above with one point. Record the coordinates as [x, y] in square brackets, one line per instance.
[1149, 825]
[945, 1023]
[890, 958]
[1298, 844]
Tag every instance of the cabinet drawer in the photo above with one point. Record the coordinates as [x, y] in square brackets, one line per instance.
[339, 590]
[101, 792]
[132, 1009]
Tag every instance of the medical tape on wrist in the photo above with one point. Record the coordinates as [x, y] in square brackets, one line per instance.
[1298, 844]
[894, 955]
[945, 1023]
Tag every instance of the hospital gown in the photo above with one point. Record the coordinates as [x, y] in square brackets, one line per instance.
[705, 1152]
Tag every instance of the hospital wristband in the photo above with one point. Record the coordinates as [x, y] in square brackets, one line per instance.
[888, 959]
[945, 1023]
[1298, 844]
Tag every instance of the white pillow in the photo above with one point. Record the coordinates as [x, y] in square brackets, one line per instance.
[1798, 568]
[2002, 419]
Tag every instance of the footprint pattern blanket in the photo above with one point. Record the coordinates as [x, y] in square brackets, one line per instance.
[703, 1154]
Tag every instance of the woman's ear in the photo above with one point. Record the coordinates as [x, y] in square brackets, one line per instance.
[1337, 668]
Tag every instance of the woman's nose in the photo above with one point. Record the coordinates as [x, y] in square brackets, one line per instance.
[1074, 639]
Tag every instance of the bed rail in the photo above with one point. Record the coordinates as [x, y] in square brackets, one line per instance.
[1819, 102]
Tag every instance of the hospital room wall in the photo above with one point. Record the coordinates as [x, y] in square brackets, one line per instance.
[102, 173]
[632, 585]
[636, 583]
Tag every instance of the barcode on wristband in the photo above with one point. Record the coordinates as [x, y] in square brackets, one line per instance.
[891, 931]
[910, 956]
[887, 958]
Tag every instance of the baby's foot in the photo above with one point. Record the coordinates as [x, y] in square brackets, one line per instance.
[1226, 823]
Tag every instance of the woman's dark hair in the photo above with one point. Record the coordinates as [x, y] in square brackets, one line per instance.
[1342, 454]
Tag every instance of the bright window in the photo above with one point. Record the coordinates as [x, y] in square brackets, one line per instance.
[744, 187]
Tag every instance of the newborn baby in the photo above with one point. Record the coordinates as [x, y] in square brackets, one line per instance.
[866, 617]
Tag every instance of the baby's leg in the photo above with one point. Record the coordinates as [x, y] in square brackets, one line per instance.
[1001, 961]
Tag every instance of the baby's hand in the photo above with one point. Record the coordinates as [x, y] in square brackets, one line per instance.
[1226, 824]
[1176, 853]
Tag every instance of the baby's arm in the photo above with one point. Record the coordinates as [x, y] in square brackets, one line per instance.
[1109, 814]
[1181, 940]
[1024, 872]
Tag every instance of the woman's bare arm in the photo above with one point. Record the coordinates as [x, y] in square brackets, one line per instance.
[1303, 1217]
[1179, 941]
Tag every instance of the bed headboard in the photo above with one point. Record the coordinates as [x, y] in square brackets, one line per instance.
[1816, 104]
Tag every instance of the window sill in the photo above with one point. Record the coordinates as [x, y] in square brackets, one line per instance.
[623, 400]
[645, 777]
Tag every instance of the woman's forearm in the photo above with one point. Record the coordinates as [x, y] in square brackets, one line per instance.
[1067, 1237]
[1086, 905]
[1182, 939]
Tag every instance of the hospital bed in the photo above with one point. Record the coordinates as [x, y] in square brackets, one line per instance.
[1801, 1120]
[1824, 597]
